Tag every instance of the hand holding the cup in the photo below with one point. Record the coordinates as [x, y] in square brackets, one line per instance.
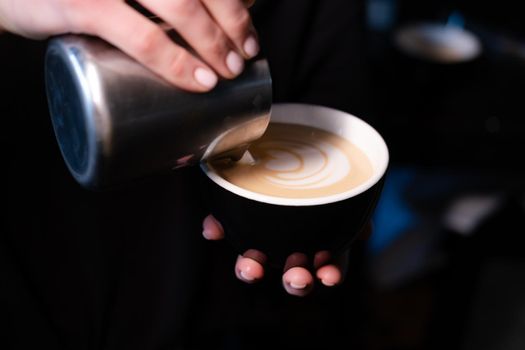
[297, 279]
[221, 33]
[310, 192]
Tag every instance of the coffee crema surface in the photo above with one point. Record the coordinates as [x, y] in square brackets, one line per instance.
[297, 161]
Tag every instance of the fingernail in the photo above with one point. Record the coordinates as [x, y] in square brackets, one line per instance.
[327, 283]
[251, 48]
[245, 276]
[234, 62]
[297, 285]
[205, 77]
[207, 234]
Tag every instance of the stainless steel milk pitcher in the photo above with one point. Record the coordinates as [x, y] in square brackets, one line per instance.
[115, 121]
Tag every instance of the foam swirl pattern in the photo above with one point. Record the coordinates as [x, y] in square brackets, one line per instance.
[300, 165]
[299, 162]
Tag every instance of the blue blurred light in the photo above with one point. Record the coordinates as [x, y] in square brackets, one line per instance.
[393, 215]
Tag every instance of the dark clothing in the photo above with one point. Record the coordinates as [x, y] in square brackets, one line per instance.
[316, 51]
[128, 269]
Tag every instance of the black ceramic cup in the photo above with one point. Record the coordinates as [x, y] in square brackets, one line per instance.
[280, 226]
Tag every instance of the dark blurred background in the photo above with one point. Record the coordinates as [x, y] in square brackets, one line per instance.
[444, 268]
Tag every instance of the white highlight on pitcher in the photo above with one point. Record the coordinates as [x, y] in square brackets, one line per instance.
[302, 166]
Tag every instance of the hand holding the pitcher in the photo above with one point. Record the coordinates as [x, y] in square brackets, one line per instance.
[297, 279]
[220, 32]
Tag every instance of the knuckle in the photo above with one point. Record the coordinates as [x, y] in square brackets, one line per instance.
[240, 24]
[179, 64]
[183, 7]
[216, 46]
[146, 43]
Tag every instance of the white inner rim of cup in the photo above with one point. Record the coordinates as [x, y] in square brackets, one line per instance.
[340, 123]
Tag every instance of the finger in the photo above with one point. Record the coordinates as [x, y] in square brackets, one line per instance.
[329, 271]
[148, 44]
[322, 258]
[212, 229]
[193, 22]
[329, 275]
[297, 280]
[248, 270]
[256, 255]
[234, 19]
[296, 260]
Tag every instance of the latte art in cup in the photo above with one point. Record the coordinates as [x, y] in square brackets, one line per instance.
[297, 161]
[312, 183]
